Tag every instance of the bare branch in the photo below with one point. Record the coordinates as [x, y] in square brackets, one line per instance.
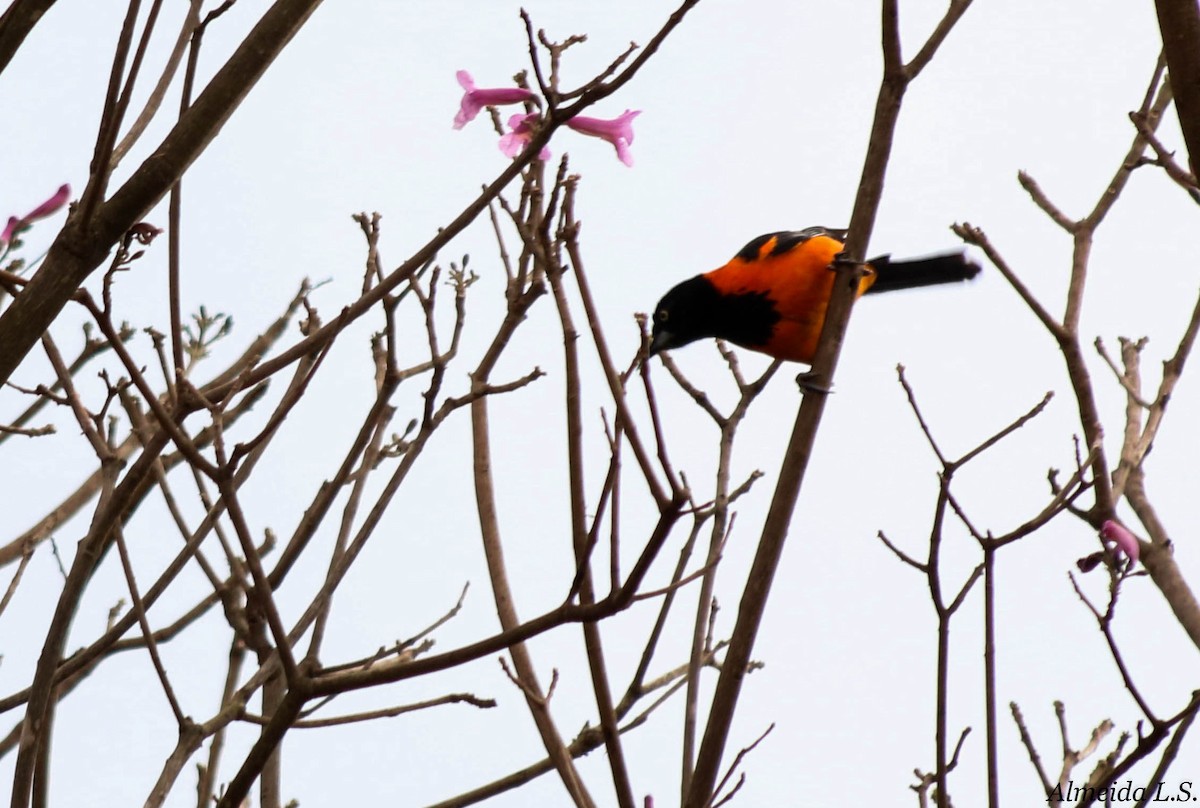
[1027, 740]
[388, 712]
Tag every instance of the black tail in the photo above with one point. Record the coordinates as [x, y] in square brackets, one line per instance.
[945, 268]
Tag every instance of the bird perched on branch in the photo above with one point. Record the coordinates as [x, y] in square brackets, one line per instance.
[771, 297]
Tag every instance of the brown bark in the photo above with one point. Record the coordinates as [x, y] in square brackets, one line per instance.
[1179, 24]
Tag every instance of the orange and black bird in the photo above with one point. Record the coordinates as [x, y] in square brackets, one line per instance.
[771, 297]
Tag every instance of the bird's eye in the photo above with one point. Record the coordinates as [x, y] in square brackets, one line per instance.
[661, 316]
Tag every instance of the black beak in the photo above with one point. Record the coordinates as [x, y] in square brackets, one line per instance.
[661, 341]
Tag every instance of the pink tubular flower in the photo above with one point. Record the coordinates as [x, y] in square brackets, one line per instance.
[475, 99]
[1126, 543]
[9, 230]
[43, 210]
[617, 131]
[51, 205]
[523, 129]
[145, 232]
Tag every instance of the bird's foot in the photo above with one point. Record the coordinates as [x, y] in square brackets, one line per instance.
[809, 382]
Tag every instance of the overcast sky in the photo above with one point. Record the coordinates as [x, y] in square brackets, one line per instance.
[754, 118]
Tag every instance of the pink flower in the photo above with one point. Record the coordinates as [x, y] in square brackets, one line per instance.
[144, 232]
[9, 230]
[1126, 543]
[523, 127]
[43, 210]
[617, 131]
[474, 99]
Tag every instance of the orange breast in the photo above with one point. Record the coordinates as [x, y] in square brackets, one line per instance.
[797, 282]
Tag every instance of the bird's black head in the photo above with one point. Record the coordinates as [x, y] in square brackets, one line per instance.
[685, 314]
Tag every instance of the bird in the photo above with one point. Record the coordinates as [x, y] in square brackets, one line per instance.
[771, 297]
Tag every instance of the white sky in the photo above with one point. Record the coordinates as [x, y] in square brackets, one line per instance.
[755, 117]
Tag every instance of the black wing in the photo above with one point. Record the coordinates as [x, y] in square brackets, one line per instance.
[787, 240]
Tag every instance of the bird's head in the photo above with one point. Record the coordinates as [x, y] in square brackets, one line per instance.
[685, 314]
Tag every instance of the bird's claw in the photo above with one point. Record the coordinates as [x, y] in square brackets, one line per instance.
[809, 382]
